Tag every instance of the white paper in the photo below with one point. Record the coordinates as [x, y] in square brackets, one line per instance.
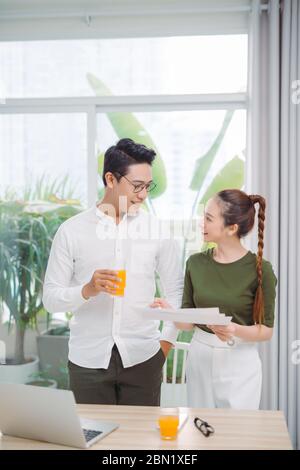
[201, 316]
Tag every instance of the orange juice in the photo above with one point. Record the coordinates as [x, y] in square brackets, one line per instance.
[168, 426]
[122, 284]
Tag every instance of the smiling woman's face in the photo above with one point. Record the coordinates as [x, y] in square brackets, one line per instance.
[213, 223]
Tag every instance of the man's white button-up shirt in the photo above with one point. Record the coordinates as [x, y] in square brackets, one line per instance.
[92, 240]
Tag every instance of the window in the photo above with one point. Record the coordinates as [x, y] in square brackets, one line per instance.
[47, 150]
[134, 66]
[183, 84]
[59, 140]
[180, 139]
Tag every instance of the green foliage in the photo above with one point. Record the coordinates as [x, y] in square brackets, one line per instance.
[204, 163]
[63, 381]
[25, 241]
[62, 330]
[41, 376]
[26, 233]
[43, 189]
[127, 125]
[230, 176]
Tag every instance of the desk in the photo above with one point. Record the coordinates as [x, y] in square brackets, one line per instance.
[233, 430]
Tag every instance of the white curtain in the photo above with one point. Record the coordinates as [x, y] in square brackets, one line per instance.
[274, 171]
[289, 261]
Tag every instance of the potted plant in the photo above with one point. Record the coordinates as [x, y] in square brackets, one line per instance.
[52, 347]
[42, 379]
[26, 232]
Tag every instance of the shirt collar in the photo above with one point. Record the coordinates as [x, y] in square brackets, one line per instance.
[106, 218]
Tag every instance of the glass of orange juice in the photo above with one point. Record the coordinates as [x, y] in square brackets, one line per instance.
[168, 422]
[120, 290]
[118, 265]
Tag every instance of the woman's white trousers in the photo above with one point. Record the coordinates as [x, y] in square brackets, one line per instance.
[223, 376]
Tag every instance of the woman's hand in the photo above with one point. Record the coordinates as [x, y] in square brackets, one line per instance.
[224, 333]
[160, 303]
[246, 333]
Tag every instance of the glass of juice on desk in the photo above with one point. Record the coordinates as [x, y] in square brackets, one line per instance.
[168, 422]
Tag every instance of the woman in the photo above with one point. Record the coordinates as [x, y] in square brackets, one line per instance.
[223, 366]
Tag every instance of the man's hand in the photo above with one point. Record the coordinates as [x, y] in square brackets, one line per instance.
[103, 280]
[165, 346]
[162, 303]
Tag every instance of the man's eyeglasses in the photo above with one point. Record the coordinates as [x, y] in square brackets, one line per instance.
[204, 427]
[138, 187]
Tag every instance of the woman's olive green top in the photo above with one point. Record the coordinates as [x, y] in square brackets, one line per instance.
[230, 286]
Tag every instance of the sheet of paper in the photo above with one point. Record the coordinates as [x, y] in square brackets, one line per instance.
[201, 316]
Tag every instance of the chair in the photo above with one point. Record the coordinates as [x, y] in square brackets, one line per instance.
[174, 393]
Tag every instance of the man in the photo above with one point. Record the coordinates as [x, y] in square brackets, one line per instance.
[115, 356]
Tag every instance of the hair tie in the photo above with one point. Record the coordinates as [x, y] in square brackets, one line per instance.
[254, 198]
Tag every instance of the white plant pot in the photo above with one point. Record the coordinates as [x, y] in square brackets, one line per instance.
[19, 374]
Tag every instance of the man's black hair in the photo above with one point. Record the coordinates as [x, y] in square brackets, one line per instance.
[126, 152]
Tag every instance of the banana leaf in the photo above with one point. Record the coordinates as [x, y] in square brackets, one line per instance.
[204, 163]
[230, 176]
[127, 125]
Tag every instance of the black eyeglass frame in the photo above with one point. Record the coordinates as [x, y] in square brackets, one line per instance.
[203, 426]
[149, 186]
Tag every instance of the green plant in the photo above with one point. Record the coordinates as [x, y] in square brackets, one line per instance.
[62, 330]
[25, 242]
[56, 190]
[63, 381]
[231, 175]
[41, 378]
[24, 247]
[59, 327]
[41, 374]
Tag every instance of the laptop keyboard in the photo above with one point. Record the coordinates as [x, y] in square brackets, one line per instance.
[89, 434]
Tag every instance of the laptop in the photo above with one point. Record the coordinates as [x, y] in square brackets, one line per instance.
[47, 414]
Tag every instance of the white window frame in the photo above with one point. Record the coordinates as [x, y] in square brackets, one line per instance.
[65, 19]
[91, 106]
[229, 13]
